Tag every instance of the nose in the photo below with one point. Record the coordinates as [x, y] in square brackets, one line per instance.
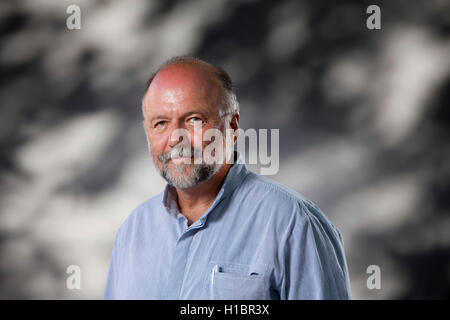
[177, 135]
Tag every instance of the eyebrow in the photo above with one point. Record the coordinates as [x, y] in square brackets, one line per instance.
[183, 116]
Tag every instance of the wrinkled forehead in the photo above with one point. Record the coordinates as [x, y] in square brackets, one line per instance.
[184, 83]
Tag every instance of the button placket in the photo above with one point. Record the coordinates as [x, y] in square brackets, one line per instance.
[180, 260]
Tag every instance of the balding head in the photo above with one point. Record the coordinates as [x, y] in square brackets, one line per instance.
[202, 70]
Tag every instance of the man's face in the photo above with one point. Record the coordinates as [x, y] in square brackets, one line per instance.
[182, 99]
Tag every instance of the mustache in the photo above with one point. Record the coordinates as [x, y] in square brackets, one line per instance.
[180, 151]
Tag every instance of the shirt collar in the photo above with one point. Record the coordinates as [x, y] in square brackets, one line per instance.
[235, 176]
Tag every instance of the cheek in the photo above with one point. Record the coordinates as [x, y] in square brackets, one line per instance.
[218, 138]
[196, 139]
[199, 137]
[157, 145]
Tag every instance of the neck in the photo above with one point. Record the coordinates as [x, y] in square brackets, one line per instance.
[194, 201]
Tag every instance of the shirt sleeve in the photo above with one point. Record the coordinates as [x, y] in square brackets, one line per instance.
[112, 280]
[314, 259]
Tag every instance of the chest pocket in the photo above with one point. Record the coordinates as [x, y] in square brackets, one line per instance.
[231, 281]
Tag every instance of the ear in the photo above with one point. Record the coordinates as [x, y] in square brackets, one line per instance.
[234, 124]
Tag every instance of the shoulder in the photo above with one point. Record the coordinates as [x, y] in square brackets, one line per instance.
[290, 207]
[268, 191]
[140, 215]
[277, 189]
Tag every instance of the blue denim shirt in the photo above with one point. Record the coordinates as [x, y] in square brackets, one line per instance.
[258, 240]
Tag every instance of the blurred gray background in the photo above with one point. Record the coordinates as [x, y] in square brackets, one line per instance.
[363, 118]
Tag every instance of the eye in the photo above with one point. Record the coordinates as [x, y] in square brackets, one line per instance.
[195, 121]
[160, 124]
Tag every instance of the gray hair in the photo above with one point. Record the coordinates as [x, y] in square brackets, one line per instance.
[230, 105]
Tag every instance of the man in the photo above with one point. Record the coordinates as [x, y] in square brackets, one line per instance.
[218, 231]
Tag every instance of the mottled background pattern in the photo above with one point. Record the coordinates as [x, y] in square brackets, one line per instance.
[363, 118]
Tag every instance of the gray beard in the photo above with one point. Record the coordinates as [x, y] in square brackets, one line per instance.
[185, 178]
[201, 172]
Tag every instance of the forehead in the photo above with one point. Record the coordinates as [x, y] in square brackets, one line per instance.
[183, 86]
